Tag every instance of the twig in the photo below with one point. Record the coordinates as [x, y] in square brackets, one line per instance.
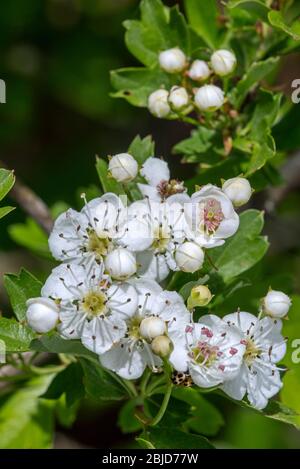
[31, 203]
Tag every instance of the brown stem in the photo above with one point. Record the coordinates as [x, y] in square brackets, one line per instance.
[31, 203]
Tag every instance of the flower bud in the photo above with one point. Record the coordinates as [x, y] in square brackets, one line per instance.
[189, 257]
[238, 190]
[209, 98]
[158, 103]
[276, 304]
[120, 264]
[178, 98]
[152, 327]
[172, 60]
[199, 296]
[162, 346]
[223, 62]
[123, 167]
[199, 70]
[42, 314]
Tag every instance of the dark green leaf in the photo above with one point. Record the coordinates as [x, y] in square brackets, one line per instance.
[198, 143]
[258, 8]
[203, 19]
[108, 183]
[5, 211]
[53, 343]
[127, 420]
[16, 336]
[99, 384]
[20, 288]
[277, 21]
[142, 148]
[7, 180]
[169, 438]
[68, 382]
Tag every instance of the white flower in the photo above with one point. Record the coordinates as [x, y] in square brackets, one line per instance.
[121, 263]
[212, 352]
[259, 376]
[158, 103]
[123, 167]
[42, 314]
[160, 186]
[162, 346]
[211, 217]
[209, 98]
[89, 235]
[199, 70]
[153, 231]
[172, 60]
[223, 62]
[238, 190]
[178, 98]
[133, 353]
[91, 307]
[276, 304]
[189, 257]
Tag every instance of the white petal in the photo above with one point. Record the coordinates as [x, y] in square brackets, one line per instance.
[123, 299]
[137, 235]
[236, 388]
[179, 356]
[147, 291]
[149, 191]
[100, 334]
[127, 364]
[63, 282]
[152, 266]
[243, 320]
[72, 324]
[155, 170]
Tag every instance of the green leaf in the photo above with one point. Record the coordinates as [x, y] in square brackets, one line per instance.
[185, 291]
[16, 336]
[202, 17]
[66, 414]
[99, 384]
[5, 211]
[256, 72]
[258, 8]
[277, 21]
[25, 420]
[204, 418]
[290, 393]
[108, 183]
[198, 143]
[145, 444]
[7, 180]
[30, 236]
[142, 148]
[21, 288]
[68, 382]
[136, 84]
[169, 438]
[127, 421]
[243, 250]
[53, 343]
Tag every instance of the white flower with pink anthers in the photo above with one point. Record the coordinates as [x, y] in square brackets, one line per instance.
[259, 376]
[212, 352]
[211, 217]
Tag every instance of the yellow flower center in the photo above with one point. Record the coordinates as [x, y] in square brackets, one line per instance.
[251, 352]
[94, 303]
[99, 244]
[161, 239]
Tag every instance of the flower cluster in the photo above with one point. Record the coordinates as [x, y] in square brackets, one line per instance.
[184, 98]
[108, 290]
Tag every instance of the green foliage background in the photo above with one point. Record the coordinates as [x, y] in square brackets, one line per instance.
[56, 59]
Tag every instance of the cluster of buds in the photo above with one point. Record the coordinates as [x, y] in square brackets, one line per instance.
[187, 96]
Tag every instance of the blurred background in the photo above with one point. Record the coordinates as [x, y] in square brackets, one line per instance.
[55, 59]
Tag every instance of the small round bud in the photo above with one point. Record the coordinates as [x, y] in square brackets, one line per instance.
[276, 304]
[172, 60]
[238, 190]
[199, 70]
[162, 346]
[158, 103]
[223, 62]
[152, 327]
[123, 167]
[120, 264]
[200, 296]
[189, 257]
[209, 98]
[42, 314]
[178, 98]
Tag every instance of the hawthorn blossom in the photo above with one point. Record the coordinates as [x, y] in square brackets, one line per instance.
[159, 314]
[160, 186]
[211, 217]
[154, 231]
[258, 377]
[88, 236]
[212, 352]
[91, 307]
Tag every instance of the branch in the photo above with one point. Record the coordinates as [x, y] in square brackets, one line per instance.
[31, 203]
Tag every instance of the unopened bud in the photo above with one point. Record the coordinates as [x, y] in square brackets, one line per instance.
[42, 314]
[152, 327]
[276, 304]
[223, 62]
[158, 103]
[238, 190]
[123, 167]
[189, 257]
[121, 264]
[172, 60]
[199, 70]
[209, 98]
[162, 346]
[199, 296]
